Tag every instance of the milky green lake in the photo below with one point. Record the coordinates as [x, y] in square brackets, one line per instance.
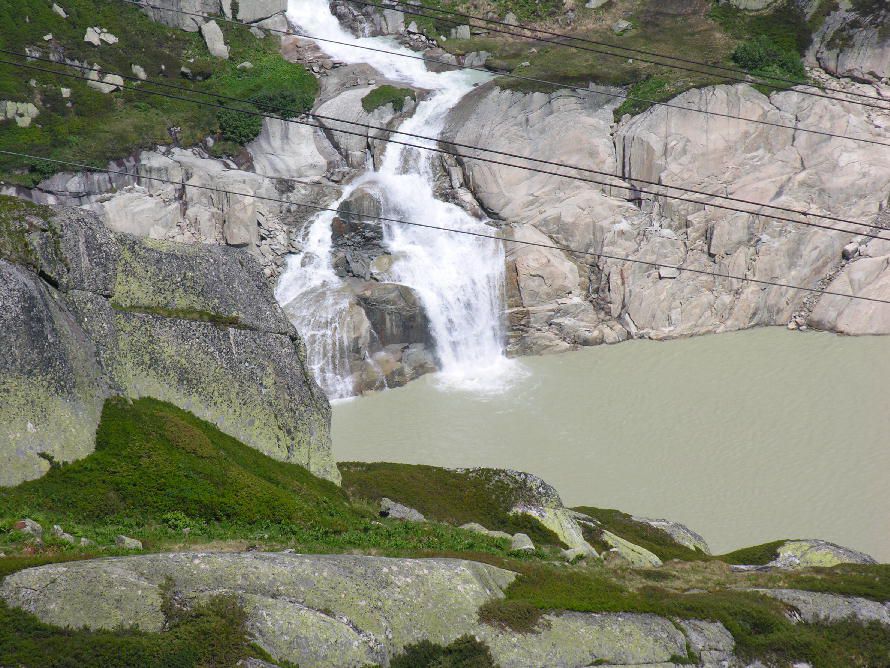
[745, 437]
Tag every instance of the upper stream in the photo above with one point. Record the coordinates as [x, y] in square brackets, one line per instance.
[746, 437]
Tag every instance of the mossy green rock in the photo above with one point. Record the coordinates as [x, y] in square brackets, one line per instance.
[349, 611]
[94, 313]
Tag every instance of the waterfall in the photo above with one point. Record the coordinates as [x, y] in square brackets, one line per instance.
[458, 278]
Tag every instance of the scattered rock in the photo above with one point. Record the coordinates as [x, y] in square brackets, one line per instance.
[92, 37]
[213, 37]
[574, 554]
[28, 525]
[128, 543]
[246, 65]
[396, 511]
[521, 542]
[139, 71]
[61, 12]
[460, 32]
[850, 251]
[86, 542]
[107, 37]
[21, 112]
[58, 532]
[66, 92]
[621, 26]
[511, 19]
[595, 4]
[48, 37]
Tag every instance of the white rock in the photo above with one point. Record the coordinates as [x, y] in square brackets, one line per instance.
[595, 4]
[139, 71]
[213, 37]
[61, 12]
[246, 65]
[92, 37]
[66, 92]
[107, 37]
[48, 37]
[521, 542]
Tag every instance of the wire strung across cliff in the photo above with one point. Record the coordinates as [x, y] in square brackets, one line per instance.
[551, 163]
[555, 84]
[749, 76]
[631, 189]
[495, 237]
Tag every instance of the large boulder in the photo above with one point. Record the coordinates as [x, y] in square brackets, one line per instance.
[395, 313]
[348, 611]
[169, 13]
[854, 42]
[95, 313]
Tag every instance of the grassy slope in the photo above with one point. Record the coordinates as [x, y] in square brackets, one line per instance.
[448, 496]
[158, 470]
[712, 33]
[99, 127]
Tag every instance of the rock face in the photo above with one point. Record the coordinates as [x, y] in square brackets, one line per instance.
[89, 313]
[348, 611]
[249, 11]
[854, 41]
[557, 301]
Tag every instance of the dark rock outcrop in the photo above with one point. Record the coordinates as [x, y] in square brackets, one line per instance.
[87, 313]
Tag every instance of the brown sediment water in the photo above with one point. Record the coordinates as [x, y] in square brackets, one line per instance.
[746, 437]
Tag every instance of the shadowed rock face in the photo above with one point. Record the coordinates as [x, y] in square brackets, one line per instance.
[90, 313]
[349, 611]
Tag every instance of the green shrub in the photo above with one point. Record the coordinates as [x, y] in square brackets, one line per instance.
[763, 56]
[239, 127]
[386, 94]
[518, 616]
[465, 652]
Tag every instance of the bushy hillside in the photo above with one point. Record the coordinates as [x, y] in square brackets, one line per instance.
[90, 126]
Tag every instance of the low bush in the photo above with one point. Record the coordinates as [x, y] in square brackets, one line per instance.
[386, 94]
[239, 127]
[465, 652]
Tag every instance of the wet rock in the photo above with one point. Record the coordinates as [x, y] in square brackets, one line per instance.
[395, 313]
[127, 543]
[397, 511]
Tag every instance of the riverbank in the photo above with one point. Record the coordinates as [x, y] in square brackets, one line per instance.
[725, 433]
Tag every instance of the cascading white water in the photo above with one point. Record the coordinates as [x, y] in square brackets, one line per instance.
[458, 278]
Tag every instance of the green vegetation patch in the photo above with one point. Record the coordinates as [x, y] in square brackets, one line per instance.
[92, 127]
[465, 652]
[518, 616]
[756, 555]
[182, 314]
[484, 496]
[18, 218]
[759, 624]
[152, 459]
[210, 634]
[386, 94]
[657, 541]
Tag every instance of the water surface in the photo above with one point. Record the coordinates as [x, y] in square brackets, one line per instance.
[746, 437]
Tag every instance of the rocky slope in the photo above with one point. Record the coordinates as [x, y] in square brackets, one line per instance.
[90, 313]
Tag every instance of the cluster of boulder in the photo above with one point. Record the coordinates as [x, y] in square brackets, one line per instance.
[35, 530]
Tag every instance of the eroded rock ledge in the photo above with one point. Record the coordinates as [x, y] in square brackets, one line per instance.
[87, 313]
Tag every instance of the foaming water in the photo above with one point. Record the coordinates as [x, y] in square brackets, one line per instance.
[458, 278]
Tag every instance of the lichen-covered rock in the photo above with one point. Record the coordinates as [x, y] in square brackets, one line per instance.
[818, 607]
[710, 641]
[815, 552]
[854, 41]
[397, 511]
[345, 611]
[111, 314]
[631, 553]
[522, 543]
[681, 534]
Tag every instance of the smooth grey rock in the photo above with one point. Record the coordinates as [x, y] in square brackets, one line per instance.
[460, 32]
[213, 37]
[179, 13]
[853, 42]
[252, 11]
[621, 26]
[395, 313]
[595, 4]
[91, 36]
[710, 641]
[58, 10]
[397, 511]
[819, 607]
[521, 542]
[128, 543]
